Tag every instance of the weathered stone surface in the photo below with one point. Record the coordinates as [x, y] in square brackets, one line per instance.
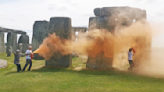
[99, 62]
[97, 11]
[62, 27]
[101, 23]
[23, 43]
[11, 41]
[133, 13]
[79, 29]
[40, 32]
[3, 63]
[9, 52]
[11, 30]
[20, 47]
[2, 43]
[93, 24]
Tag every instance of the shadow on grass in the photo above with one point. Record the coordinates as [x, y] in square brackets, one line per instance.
[12, 72]
[84, 71]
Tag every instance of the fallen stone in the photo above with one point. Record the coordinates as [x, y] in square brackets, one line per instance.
[3, 63]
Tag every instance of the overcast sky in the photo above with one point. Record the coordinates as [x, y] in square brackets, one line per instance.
[21, 14]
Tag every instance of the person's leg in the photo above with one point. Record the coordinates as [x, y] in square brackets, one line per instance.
[130, 63]
[30, 61]
[17, 67]
[25, 65]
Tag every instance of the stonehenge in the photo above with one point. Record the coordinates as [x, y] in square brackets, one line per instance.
[109, 18]
[12, 43]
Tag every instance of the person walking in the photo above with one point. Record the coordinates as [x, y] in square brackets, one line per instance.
[29, 57]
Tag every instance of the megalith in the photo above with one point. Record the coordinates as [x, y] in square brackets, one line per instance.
[40, 32]
[110, 18]
[62, 27]
[11, 41]
[2, 43]
[23, 43]
[100, 61]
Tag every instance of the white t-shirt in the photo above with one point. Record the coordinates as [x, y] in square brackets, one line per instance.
[28, 52]
[130, 54]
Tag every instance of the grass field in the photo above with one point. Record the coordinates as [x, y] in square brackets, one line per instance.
[43, 79]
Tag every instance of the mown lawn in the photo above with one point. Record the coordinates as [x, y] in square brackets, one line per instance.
[44, 79]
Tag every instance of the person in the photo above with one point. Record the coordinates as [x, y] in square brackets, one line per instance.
[29, 57]
[130, 54]
[17, 56]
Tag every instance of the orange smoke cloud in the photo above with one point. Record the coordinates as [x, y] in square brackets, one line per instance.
[54, 44]
[99, 41]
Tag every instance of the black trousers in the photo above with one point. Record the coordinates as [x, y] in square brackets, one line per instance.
[18, 67]
[28, 61]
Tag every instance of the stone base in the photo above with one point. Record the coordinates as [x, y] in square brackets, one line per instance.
[37, 57]
[59, 61]
[99, 62]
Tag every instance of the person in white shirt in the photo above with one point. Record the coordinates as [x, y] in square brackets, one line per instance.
[130, 55]
[28, 58]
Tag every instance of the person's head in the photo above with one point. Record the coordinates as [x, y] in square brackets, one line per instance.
[30, 47]
[17, 51]
[130, 49]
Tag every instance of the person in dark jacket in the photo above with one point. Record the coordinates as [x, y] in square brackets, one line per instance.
[17, 56]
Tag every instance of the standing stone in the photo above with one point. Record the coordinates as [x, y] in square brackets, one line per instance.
[2, 43]
[40, 32]
[9, 51]
[23, 43]
[20, 47]
[11, 41]
[62, 27]
[100, 61]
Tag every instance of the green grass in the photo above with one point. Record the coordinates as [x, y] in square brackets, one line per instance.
[67, 80]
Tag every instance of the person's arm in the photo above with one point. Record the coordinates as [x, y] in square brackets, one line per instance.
[22, 55]
[133, 50]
